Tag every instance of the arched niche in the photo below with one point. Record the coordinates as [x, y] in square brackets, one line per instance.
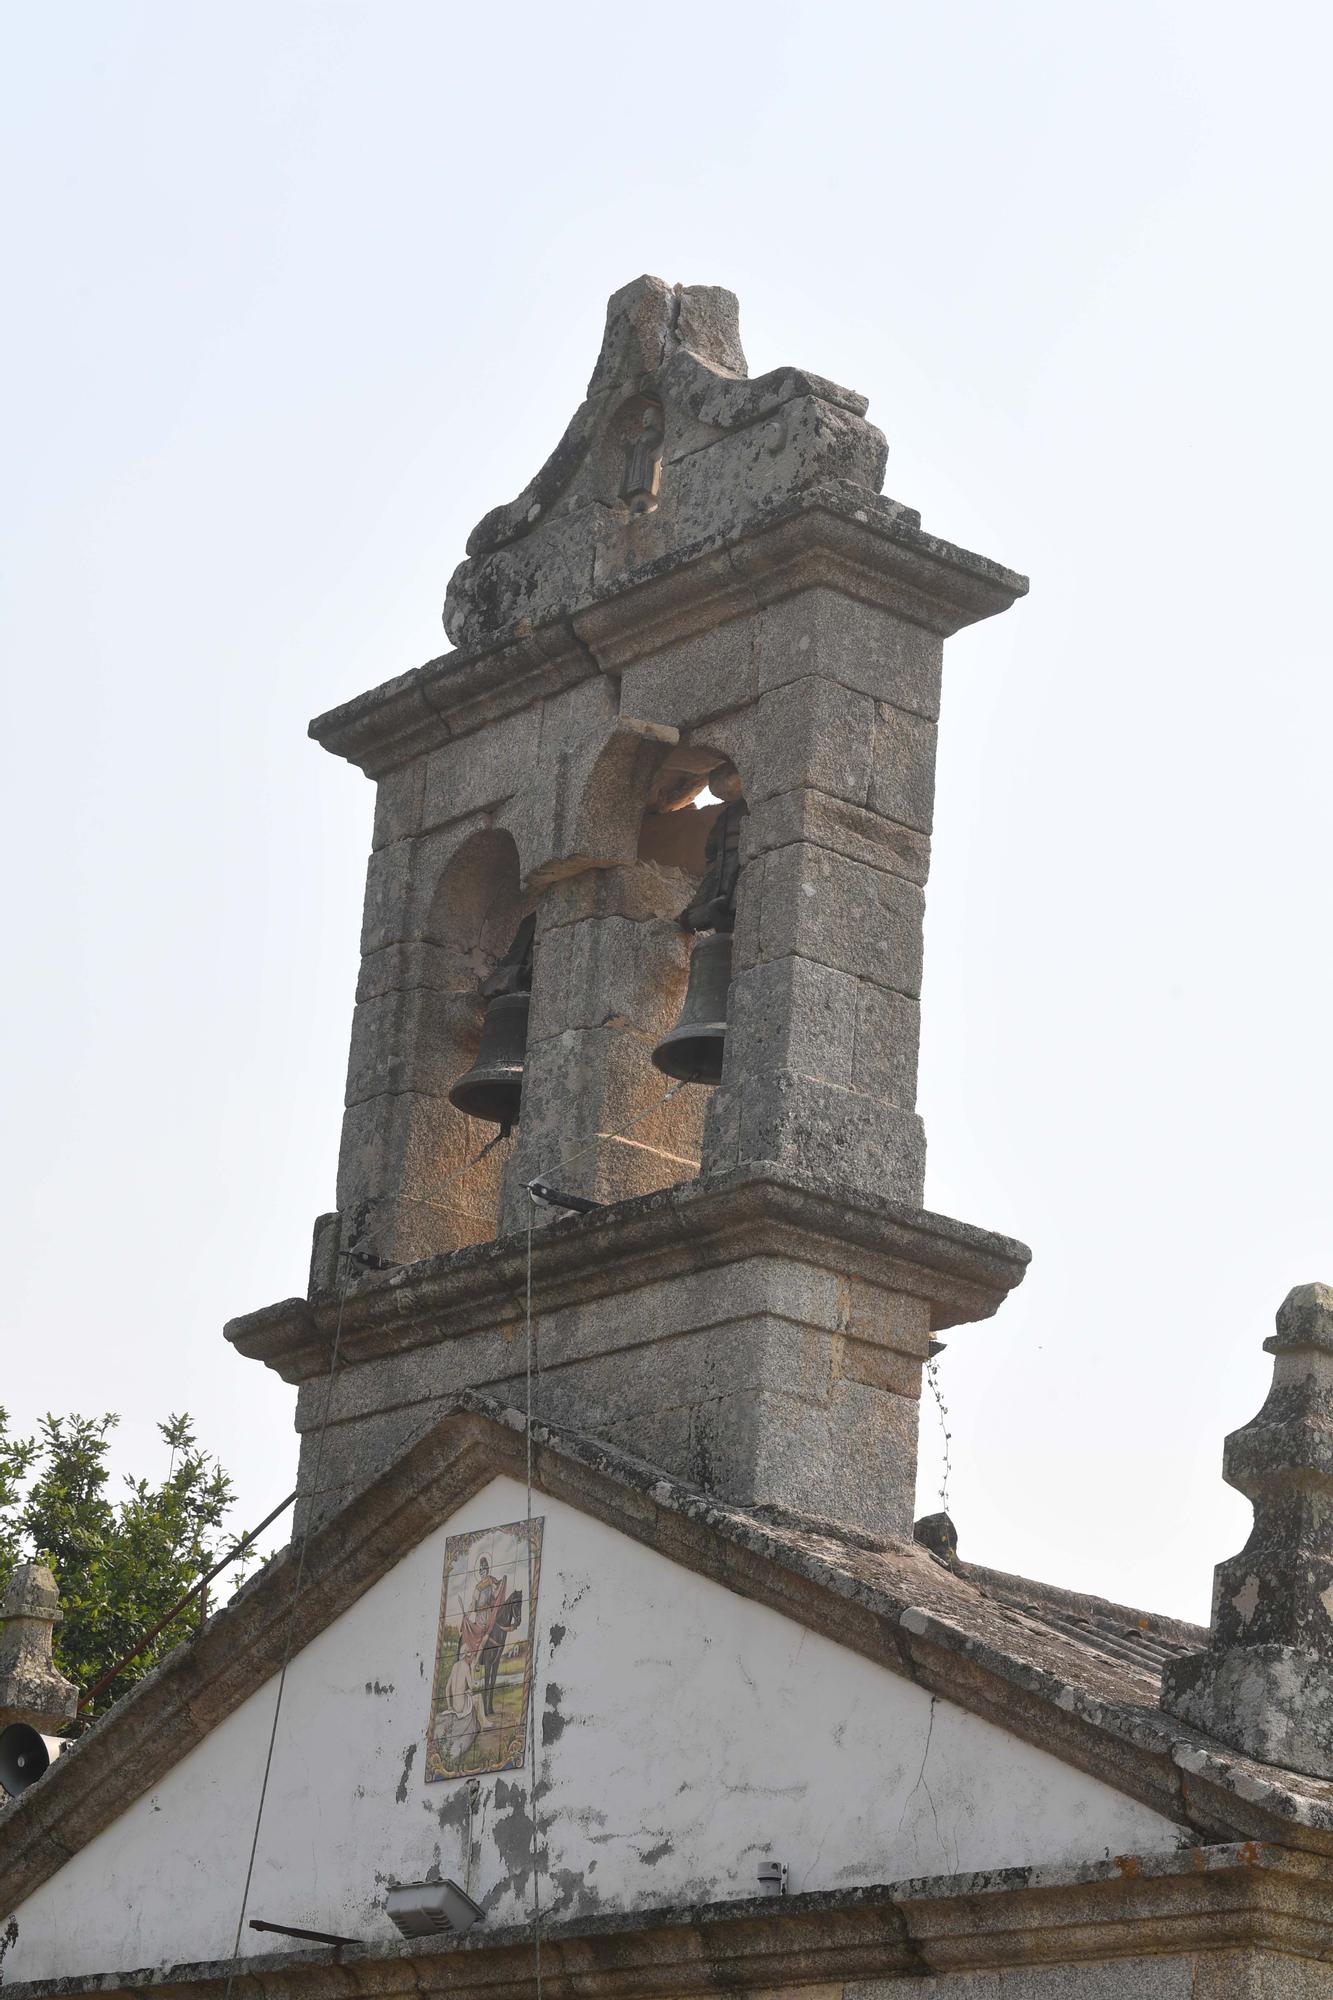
[449, 1197]
[477, 906]
[612, 966]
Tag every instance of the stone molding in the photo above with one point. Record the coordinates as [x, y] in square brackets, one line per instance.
[1206, 1904]
[836, 535]
[878, 1604]
[965, 1272]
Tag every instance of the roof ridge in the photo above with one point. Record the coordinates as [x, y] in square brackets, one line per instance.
[1059, 1597]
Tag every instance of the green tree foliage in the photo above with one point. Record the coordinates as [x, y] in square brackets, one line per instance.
[121, 1564]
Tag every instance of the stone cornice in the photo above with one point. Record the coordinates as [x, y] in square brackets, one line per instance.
[1204, 1900]
[966, 1273]
[891, 1604]
[836, 535]
[451, 696]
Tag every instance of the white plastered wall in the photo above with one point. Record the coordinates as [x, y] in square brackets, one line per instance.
[684, 1734]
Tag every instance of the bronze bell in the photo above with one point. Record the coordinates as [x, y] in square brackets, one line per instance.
[693, 1049]
[491, 1089]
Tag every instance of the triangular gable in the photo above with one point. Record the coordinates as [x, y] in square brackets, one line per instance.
[685, 1734]
[919, 1634]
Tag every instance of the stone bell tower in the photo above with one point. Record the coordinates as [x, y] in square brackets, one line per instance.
[691, 709]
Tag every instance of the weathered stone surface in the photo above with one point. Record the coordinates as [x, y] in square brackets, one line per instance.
[325, 1245]
[596, 1121]
[398, 967]
[840, 913]
[888, 1036]
[384, 917]
[730, 449]
[638, 894]
[727, 1293]
[819, 821]
[825, 633]
[479, 771]
[696, 678]
[937, 1533]
[812, 734]
[765, 1449]
[647, 319]
[813, 1127]
[714, 491]
[574, 801]
[1265, 1683]
[405, 1186]
[902, 775]
[1154, 1978]
[792, 1014]
[415, 1038]
[708, 323]
[609, 972]
[398, 801]
[32, 1690]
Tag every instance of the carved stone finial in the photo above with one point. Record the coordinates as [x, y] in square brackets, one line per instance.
[673, 451]
[647, 320]
[1265, 1683]
[31, 1689]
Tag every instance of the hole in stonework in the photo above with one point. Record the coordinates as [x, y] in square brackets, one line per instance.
[685, 800]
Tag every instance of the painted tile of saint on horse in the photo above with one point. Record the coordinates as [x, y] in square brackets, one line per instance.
[483, 1658]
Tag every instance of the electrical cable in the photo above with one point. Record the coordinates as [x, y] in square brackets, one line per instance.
[566, 1153]
[590, 1138]
[291, 1633]
[307, 1530]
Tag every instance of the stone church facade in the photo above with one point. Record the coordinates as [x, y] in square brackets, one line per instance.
[606, 1630]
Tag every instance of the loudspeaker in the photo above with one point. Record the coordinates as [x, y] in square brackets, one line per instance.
[26, 1755]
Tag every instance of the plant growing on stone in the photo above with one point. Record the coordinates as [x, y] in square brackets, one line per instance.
[121, 1564]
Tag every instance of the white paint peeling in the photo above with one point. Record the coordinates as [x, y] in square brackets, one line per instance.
[684, 1735]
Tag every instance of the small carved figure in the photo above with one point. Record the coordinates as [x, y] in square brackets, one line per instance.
[713, 907]
[643, 463]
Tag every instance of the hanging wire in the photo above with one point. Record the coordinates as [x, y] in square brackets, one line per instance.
[291, 1630]
[566, 1153]
[335, 1353]
[577, 1146]
[429, 1200]
[942, 1409]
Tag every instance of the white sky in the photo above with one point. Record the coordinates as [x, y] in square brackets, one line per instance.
[297, 292]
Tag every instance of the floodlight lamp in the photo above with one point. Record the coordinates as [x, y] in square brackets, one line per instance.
[432, 1909]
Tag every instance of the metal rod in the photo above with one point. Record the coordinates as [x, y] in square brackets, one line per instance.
[294, 1930]
[578, 1204]
[180, 1605]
